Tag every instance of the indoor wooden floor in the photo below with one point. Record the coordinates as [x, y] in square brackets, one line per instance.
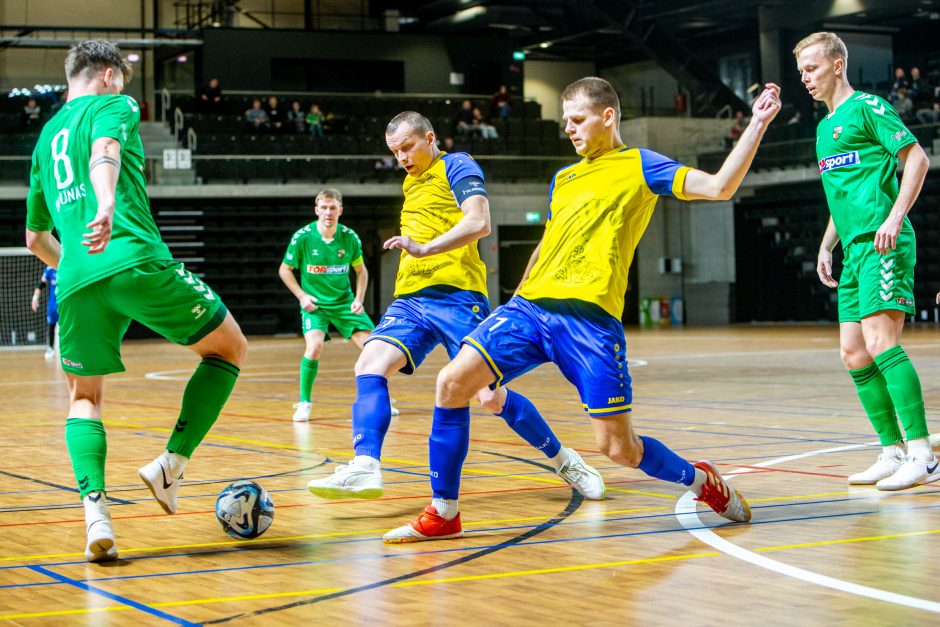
[771, 405]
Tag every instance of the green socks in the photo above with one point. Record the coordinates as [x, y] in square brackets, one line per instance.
[904, 387]
[88, 448]
[308, 373]
[873, 392]
[205, 395]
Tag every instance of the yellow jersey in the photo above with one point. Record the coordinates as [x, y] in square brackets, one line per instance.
[598, 210]
[431, 208]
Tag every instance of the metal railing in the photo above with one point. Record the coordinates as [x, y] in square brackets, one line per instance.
[165, 100]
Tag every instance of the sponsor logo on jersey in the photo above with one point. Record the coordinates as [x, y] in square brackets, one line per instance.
[836, 132]
[341, 253]
[312, 269]
[905, 301]
[898, 135]
[839, 161]
[197, 311]
[73, 364]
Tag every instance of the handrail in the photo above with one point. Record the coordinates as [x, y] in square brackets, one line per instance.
[724, 112]
[191, 140]
[178, 122]
[165, 100]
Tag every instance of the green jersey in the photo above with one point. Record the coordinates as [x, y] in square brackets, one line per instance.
[324, 265]
[857, 147]
[61, 194]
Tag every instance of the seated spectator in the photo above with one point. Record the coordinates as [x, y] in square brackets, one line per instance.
[501, 103]
[931, 115]
[904, 106]
[900, 80]
[295, 118]
[447, 145]
[737, 129]
[921, 91]
[486, 130]
[210, 98]
[465, 122]
[275, 115]
[314, 120]
[257, 118]
[32, 114]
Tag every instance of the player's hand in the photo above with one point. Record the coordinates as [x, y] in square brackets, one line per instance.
[356, 306]
[407, 244]
[767, 105]
[308, 303]
[824, 268]
[100, 231]
[35, 303]
[886, 238]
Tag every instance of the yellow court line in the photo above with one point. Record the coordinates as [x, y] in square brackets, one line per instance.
[401, 584]
[804, 545]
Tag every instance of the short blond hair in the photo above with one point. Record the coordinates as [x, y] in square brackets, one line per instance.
[832, 45]
[331, 193]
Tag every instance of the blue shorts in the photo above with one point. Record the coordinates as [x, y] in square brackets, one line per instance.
[417, 323]
[584, 341]
[52, 315]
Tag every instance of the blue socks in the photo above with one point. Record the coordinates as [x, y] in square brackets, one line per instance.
[448, 446]
[522, 416]
[371, 414]
[659, 461]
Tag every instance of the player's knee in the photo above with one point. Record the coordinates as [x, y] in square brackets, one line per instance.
[313, 350]
[238, 347]
[367, 365]
[491, 402]
[855, 357]
[449, 388]
[628, 452]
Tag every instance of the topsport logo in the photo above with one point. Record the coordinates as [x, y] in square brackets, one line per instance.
[838, 161]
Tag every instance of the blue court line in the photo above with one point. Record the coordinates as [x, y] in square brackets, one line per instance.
[566, 523]
[114, 597]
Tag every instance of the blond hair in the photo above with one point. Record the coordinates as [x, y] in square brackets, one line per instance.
[832, 46]
[597, 91]
[332, 193]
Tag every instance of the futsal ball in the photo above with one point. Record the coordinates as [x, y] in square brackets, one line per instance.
[244, 510]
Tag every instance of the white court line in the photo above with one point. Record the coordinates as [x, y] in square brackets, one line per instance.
[685, 512]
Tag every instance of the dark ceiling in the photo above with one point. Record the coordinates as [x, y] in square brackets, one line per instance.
[593, 30]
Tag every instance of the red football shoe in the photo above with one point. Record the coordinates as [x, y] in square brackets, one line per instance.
[428, 526]
[721, 497]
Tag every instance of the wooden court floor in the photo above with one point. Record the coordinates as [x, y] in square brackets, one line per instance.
[773, 406]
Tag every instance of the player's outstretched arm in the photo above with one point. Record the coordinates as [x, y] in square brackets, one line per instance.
[474, 225]
[916, 164]
[45, 246]
[104, 166]
[722, 185]
[307, 302]
[824, 259]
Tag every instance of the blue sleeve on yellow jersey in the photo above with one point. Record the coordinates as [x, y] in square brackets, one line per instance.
[659, 171]
[464, 176]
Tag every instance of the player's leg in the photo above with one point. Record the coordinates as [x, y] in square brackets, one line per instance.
[522, 417]
[882, 333]
[371, 417]
[188, 313]
[619, 442]
[886, 288]
[52, 319]
[876, 401]
[358, 327]
[309, 365]
[448, 445]
[90, 348]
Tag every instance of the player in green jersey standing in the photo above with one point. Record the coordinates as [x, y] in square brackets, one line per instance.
[323, 252]
[858, 146]
[87, 181]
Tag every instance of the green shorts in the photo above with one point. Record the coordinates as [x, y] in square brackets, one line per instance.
[162, 295]
[871, 282]
[345, 321]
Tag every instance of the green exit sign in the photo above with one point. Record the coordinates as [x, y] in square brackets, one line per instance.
[533, 216]
[518, 55]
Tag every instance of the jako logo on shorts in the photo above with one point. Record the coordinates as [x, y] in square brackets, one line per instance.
[838, 161]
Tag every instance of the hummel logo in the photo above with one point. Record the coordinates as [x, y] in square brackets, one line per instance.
[930, 470]
[83, 482]
[94, 499]
[180, 425]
